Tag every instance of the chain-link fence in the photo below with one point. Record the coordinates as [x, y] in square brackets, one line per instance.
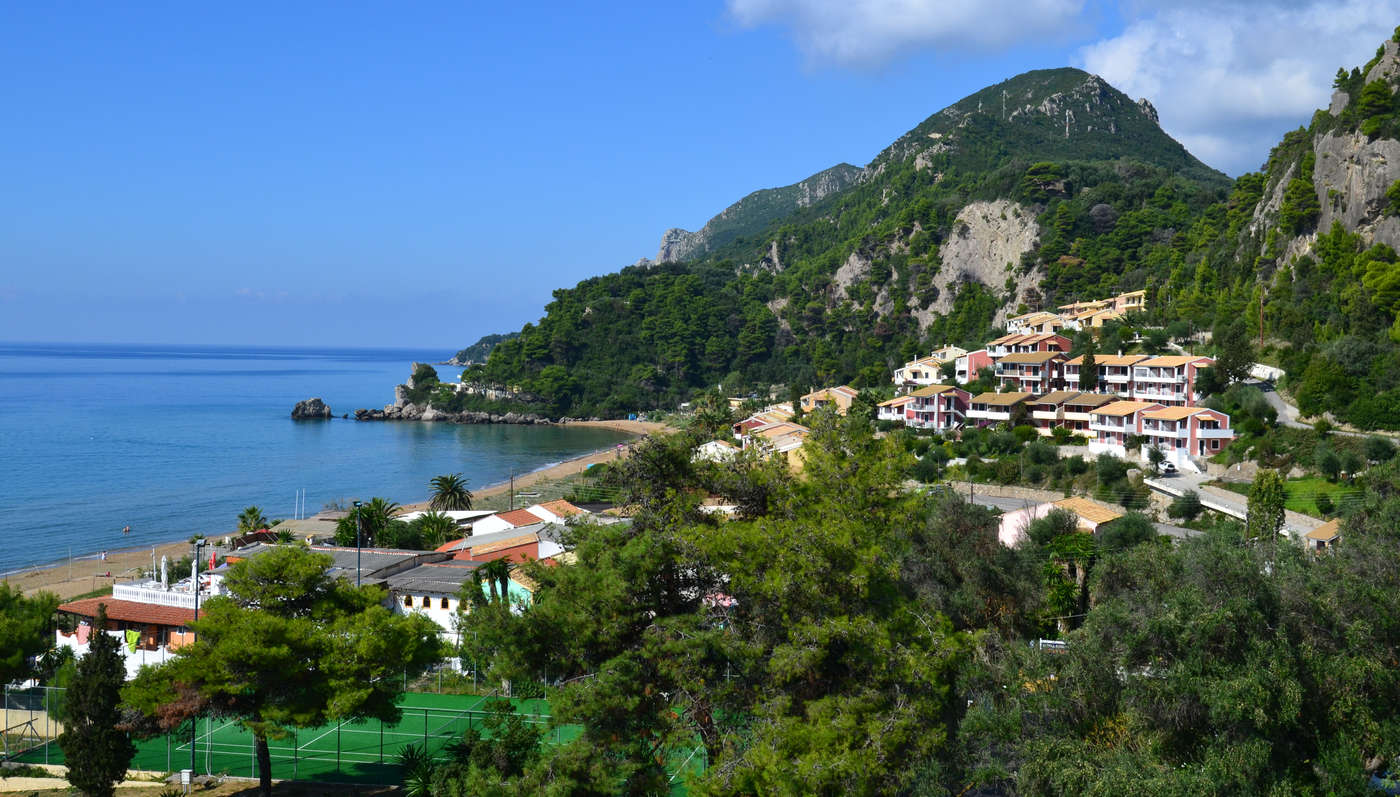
[32, 719]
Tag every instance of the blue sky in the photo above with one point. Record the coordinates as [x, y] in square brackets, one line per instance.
[422, 174]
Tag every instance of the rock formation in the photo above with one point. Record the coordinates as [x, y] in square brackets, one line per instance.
[310, 409]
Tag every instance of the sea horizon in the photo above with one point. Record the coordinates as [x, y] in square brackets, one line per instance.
[174, 440]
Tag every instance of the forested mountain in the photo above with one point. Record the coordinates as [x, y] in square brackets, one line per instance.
[479, 351]
[1049, 187]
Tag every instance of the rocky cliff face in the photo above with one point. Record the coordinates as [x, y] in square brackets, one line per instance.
[986, 245]
[1351, 174]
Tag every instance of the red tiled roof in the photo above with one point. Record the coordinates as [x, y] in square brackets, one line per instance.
[519, 517]
[131, 611]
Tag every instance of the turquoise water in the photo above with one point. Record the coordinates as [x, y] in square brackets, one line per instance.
[176, 440]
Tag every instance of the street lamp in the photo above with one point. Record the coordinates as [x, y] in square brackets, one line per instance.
[357, 543]
[194, 585]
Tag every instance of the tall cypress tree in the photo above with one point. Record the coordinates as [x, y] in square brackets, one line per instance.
[97, 752]
[1089, 371]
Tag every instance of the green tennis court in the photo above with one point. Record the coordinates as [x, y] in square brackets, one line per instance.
[352, 752]
[349, 752]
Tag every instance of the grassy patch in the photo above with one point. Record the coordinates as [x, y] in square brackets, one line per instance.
[1302, 494]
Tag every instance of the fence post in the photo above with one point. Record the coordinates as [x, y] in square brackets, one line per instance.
[425, 730]
[337, 747]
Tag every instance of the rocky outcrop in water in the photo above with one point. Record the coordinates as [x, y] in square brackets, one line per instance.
[415, 412]
[310, 409]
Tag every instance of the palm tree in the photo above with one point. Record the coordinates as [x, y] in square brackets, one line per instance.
[251, 519]
[450, 493]
[375, 516]
[435, 528]
[496, 575]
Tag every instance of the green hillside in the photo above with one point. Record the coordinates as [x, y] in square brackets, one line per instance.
[761, 308]
[846, 288]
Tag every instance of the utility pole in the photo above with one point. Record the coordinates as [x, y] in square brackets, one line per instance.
[357, 543]
[194, 585]
[1261, 317]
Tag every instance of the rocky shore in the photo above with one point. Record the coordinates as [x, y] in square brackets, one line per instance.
[414, 412]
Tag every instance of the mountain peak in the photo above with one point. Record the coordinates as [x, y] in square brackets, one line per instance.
[1044, 114]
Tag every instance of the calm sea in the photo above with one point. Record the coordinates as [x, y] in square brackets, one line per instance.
[176, 440]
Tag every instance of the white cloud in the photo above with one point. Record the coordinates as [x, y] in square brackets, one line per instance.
[865, 32]
[1230, 79]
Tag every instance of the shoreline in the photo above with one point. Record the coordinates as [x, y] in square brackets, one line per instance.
[89, 572]
[568, 467]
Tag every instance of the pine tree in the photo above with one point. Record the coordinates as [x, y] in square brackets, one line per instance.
[97, 752]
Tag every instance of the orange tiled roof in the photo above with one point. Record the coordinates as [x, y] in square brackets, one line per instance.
[519, 517]
[131, 611]
[563, 508]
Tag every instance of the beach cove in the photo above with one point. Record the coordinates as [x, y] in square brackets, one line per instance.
[175, 441]
[89, 573]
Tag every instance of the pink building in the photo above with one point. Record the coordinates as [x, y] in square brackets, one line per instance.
[970, 364]
[1169, 380]
[1021, 344]
[1115, 373]
[1183, 432]
[938, 407]
[1053, 410]
[1030, 372]
[895, 409]
[1112, 423]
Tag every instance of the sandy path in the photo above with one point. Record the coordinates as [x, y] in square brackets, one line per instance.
[87, 574]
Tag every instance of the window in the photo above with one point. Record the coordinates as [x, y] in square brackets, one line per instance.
[444, 603]
[1214, 444]
[408, 601]
[427, 602]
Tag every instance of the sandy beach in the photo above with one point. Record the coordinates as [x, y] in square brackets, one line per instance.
[569, 467]
[87, 573]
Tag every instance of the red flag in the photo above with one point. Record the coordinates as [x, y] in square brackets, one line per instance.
[212, 563]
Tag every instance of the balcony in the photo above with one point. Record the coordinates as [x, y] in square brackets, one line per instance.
[1148, 375]
[1216, 434]
[989, 414]
[177, 596]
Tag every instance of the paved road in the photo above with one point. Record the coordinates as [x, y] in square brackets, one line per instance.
[1223, 500]
[1013, 504]
[1288, 414]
